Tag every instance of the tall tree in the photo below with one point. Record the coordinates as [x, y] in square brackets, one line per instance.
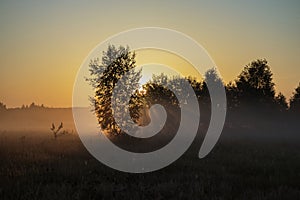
[232, 96]
[255, 85]
[196, 85]
[295, 100]
[212, 79]
[105, 76]
[156, 92]
[281, 102]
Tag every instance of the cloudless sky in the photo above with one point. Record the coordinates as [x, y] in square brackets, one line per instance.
[43, 43]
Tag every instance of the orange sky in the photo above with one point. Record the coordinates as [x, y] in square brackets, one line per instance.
[43, 43]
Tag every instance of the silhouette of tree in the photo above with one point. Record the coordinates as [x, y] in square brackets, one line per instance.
[211, 78]
[295, 101]
[161, 88]
[250, 98]
[156, 92]
[232, 96]
[2, 106]
[255, 87]
[196, 85]
[177, 84]
[105, 75]
[32, 105]
[281, 102]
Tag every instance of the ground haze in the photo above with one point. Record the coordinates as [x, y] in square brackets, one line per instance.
[34, 165]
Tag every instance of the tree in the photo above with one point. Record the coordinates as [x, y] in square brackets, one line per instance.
[105, 76]
[295, 100]
[163, 88]
[32, 105]
[212, 79]
[2, 106]
[281, 102]
[157, 92]
[196, 85]
[232, 96]
[255, 85]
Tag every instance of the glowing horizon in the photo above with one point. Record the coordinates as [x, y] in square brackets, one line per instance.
[44, 43]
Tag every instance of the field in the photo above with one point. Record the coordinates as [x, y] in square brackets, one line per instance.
[34, 165]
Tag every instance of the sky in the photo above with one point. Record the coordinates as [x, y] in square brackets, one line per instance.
[43, 43]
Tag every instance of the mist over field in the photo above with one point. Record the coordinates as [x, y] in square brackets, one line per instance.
[35, 119]
[246, 163]
[38, 121]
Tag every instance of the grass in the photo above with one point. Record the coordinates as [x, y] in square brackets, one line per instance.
[44, 168]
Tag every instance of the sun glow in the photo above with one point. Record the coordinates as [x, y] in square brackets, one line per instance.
[142, 91]
[151, 59]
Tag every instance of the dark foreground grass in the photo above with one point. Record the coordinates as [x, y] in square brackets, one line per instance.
[44, 168]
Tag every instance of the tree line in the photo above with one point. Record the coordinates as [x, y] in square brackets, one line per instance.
[250, 97]
[31, 106]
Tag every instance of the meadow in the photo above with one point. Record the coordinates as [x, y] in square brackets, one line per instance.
[45, 168]
[34, 165]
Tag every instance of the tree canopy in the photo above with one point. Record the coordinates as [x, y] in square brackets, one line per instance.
[251, 95]
[116, 61]
[255, 83]
[295, 100]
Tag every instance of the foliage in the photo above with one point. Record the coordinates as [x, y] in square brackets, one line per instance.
[105, 75]
[255, 85]
[250, 96]
[281, 102]
[33, 106]
[295, 100]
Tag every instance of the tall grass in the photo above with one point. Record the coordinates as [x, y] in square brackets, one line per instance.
[45, 168]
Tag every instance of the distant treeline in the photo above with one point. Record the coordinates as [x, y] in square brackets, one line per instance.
[31, 106]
